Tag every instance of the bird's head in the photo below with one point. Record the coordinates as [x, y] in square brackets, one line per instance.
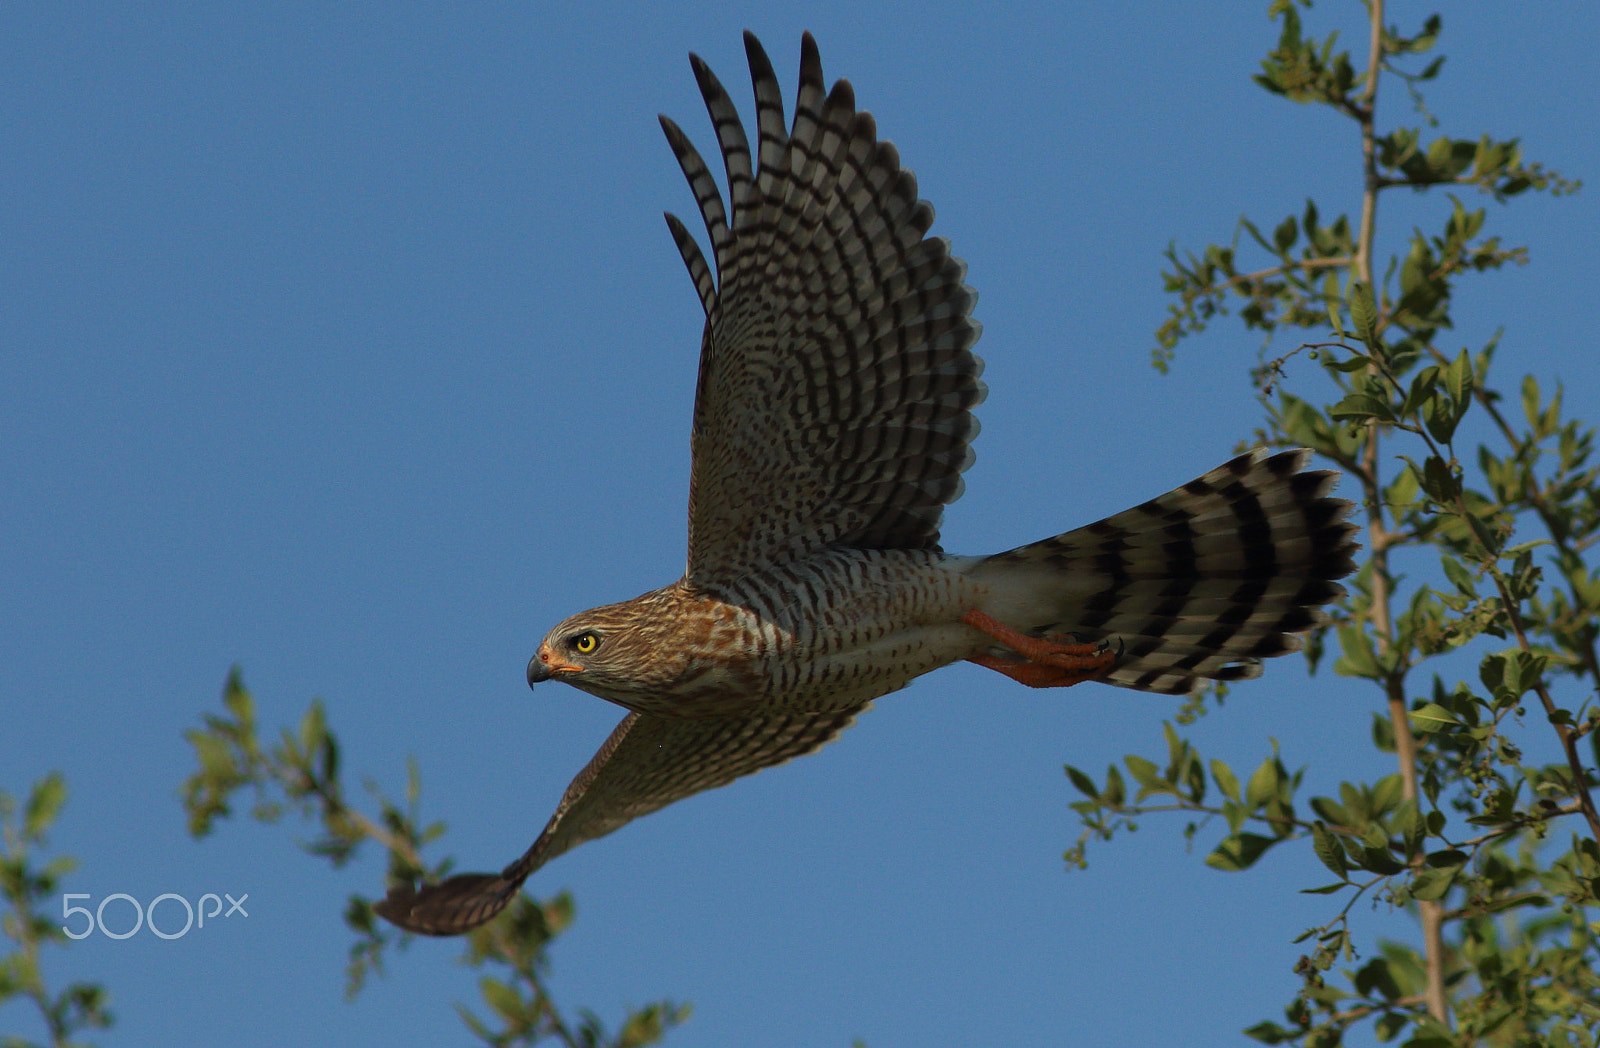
[614, 651]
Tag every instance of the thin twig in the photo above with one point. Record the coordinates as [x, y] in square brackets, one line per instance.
[1569, 743]
[333, 804]
[1262, 274]
[1506, 831]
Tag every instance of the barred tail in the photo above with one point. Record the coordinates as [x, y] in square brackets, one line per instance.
[1201, 583]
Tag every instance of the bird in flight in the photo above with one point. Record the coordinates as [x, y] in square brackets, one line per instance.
[832, 423]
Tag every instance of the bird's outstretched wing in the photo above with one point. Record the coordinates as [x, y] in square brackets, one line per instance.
[647, 763]
[836, 373]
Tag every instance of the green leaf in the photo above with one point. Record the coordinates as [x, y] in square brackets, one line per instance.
[1386, 793]
[1263, 785]
[1084, 784]
[1444, 415]
[1430, 1040]
[1270, 1033]
[1404, 490]
[1514, 680]
[474, 1023]
[1389, 1024]
[1458, 574]
[1432, 718]
[1492, 672]
[1358, 658]
[1447, 857]
[502, 998]
[1283, 237]
[1422, 391]
[1145, 773]
[1530, 400]
[1352, 363]
[1326, 889]
[1375, 975]
[1382, 733]
[1380, 860]
[1226, 781]
[1328, 850]
[1458, 377]
[1409, 822]
[313, 728]
[1331, 811]
[1432, 884]
[1235, 813]
[1359, 406]
[1551, 417]
[1364, 312]
[1330, 292]
[1239, 851]
[44, 801]
[1438, 481]
[413, 780]
[1115, 792]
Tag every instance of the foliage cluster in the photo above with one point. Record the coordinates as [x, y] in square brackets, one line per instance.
[301, 771]
[29, 890]
[1487, 830]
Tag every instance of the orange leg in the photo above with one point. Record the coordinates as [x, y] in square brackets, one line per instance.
[1052, 662]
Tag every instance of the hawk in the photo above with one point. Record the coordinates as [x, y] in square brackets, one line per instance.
[832, 423]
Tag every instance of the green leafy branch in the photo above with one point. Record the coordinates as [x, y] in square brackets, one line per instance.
[1463, 834]
[1430, 408]
[27, 889]
[301, 772]
[516, 942]
[1286, 293]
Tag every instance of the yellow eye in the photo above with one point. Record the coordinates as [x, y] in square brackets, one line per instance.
[585, 643]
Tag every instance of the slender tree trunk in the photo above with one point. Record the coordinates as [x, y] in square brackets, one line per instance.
[1432, 914]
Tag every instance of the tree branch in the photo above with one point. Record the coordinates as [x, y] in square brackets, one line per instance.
[1564, 732]
[1430, 912]
[1263, 274]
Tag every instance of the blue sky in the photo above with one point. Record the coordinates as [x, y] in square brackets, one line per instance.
[347, 344]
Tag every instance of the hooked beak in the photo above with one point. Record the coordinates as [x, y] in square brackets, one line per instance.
[544, 665]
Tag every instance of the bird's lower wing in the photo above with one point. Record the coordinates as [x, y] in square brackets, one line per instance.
[646, 764]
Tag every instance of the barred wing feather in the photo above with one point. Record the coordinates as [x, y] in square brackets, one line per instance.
[837, 377]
